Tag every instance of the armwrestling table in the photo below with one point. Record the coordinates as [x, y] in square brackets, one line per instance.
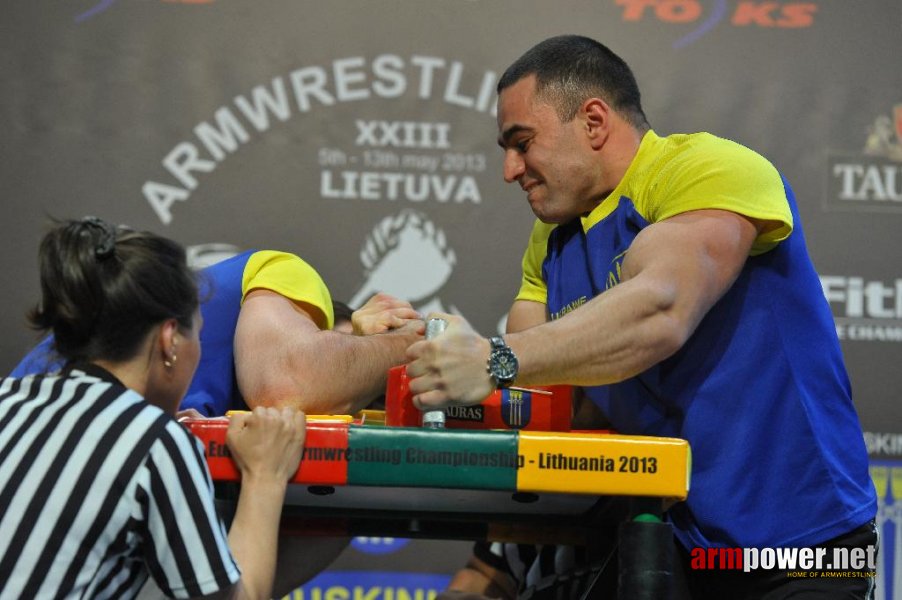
[362, 479]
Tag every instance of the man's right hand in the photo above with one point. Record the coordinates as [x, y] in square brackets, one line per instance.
[267, 442]
[450, 369]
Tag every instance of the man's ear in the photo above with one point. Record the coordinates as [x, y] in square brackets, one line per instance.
[597, 118]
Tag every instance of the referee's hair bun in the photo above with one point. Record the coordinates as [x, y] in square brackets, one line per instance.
[103, 287]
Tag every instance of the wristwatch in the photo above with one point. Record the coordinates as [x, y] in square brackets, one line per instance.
[502, 363]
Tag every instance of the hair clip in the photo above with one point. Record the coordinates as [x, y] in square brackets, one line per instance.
[106, 246]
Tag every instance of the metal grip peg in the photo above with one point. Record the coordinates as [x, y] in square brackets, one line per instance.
[434, 419]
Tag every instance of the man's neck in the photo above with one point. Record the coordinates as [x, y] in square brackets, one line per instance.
[617, 156]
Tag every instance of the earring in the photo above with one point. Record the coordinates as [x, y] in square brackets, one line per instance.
[170, 361]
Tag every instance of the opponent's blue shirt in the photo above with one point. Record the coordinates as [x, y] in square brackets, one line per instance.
[214, 390]
[760, 390]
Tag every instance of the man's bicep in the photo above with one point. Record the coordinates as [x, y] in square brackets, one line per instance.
[525, 314]
[270, 348]
[696, 255]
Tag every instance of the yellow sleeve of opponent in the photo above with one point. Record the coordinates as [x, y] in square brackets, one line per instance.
[288, 275]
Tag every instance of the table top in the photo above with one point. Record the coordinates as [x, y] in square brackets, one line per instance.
[342, 453]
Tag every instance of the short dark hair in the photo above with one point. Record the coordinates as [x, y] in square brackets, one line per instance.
[570, 69]
[342, 311]
[103, 288]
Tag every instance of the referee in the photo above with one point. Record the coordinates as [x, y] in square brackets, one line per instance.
[100, 487]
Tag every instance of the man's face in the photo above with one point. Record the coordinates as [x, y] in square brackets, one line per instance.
[552, 161]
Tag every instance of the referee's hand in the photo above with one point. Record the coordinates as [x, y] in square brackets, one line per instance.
[267, 442]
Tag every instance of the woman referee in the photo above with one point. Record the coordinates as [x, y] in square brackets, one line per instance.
[100, 487]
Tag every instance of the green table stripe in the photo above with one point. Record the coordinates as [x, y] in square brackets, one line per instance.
[401, 456]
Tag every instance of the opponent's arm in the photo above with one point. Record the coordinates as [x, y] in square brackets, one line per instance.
[525, 314]
[674, 271]
[283, 359]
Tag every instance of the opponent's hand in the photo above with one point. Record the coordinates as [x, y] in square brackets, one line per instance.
[381, 313]
[450, 368]
[189, 413]
[267, 442]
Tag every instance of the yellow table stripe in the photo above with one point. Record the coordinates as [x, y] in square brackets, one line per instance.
[604, 464]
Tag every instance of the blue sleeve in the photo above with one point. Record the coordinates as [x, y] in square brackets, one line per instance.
[41, 359]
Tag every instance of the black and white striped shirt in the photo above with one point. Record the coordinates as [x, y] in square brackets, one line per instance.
[98, 490]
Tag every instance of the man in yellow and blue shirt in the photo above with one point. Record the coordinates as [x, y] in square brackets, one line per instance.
[669, 277]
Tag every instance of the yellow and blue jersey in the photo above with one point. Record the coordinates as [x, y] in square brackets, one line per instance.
[760, 390]
[224, 286]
